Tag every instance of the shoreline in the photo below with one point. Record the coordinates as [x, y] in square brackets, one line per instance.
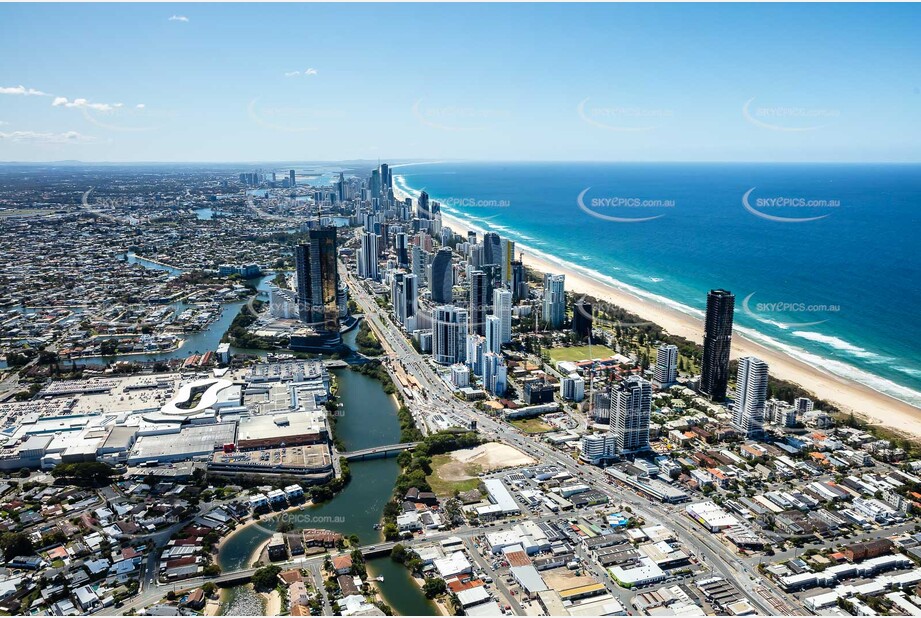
[252, 522]
[850, 396]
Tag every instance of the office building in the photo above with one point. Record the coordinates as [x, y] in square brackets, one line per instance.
[714, 375]
[751, 394]
[317, 280]
[666, 371]
[449, 335]
[631, 409]
[292, 181]
[554, 303]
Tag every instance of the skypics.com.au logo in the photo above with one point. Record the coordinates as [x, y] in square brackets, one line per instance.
[787, 204]
[629, 119]
[771, 311]
[790, 119]
[616, 208]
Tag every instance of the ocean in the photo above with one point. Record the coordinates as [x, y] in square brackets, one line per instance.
[822, 258]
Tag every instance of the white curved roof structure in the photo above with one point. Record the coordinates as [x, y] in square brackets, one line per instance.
[195, 397]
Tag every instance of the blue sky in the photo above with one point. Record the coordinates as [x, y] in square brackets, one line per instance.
[486, 82]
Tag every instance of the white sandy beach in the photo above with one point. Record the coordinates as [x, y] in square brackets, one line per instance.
[848, 395]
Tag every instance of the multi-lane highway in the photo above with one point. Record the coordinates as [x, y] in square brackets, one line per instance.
[723, 560]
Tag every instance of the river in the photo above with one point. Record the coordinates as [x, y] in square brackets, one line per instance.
[369, 419]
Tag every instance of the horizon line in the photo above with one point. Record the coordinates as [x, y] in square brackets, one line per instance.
[443, 160]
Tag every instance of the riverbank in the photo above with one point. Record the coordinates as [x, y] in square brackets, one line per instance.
[255, 522]
[848, 395]
[272, 603]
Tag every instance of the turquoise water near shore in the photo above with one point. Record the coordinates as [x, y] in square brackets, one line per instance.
[839, 292]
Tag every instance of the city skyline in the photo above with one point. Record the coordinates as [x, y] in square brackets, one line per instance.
[642, 83]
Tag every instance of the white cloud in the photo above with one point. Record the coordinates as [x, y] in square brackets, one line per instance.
[83, 104]
[22, 90]
[140, 106]
[305, 73]
[68, 137]
[181, 18]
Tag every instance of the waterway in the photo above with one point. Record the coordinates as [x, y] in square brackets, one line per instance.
[201, 341]
[369, 419]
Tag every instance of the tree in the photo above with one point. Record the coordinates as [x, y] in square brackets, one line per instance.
[433, 587]
[266, 578]
[88, 473]
[15, 544]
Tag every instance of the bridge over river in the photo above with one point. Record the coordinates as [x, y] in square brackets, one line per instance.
[377, 452]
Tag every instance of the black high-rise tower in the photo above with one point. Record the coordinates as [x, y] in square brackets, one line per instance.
[714, 373]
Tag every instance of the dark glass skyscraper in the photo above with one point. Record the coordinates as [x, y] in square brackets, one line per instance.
[423, 206]
[492, 248]
[519, 282]
[582, 318]
[479, 301]
[317, 280]
[442, 277]
[714, 372]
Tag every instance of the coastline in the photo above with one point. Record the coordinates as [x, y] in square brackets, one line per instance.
[849, 396]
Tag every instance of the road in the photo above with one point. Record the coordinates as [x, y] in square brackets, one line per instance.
[721, 559]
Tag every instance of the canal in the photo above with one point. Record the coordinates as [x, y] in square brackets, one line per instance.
[198, 342]
[369, 418]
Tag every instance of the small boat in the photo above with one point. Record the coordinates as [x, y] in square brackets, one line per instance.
[379, 578]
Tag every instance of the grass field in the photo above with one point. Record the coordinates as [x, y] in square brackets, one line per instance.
[580, 353]
[531, 425]
[449, 475]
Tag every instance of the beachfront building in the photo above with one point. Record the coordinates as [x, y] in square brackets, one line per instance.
[714, 373]
[666, 371]
[582, 318]
[751, 394]
[554, 301]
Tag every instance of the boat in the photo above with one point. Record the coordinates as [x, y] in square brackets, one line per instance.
[379, 578]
